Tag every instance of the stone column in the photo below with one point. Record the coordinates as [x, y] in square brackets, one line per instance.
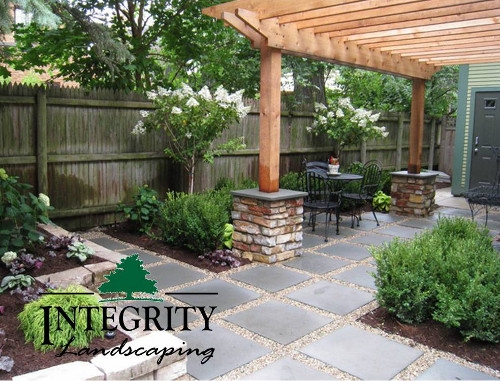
[267, 226]
[413, 194]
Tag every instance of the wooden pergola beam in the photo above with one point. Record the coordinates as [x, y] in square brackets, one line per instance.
[409, 38]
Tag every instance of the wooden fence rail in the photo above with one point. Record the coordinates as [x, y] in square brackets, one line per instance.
[76, 146]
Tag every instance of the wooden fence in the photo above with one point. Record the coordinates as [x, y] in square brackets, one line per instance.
[76, 146]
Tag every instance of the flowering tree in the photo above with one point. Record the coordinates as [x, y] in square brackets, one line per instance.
[345, 124]
[192, 121]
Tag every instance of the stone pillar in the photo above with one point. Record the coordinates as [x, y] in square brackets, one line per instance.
[267, 226]
[413, 194]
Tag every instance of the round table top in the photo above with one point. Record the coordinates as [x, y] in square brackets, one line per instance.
[344, 176]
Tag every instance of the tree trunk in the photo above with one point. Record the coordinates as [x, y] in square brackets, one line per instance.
[191, 175]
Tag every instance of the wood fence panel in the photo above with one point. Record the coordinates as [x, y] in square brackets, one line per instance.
[91, 161]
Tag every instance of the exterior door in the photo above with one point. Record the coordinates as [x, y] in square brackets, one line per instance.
[486, 139]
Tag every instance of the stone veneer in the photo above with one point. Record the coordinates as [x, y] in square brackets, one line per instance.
[413, 194]
[267, 226]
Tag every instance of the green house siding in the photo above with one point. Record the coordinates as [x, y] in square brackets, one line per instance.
[472, 79]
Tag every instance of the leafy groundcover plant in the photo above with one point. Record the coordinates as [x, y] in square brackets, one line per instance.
[32, 319]
[450, 274]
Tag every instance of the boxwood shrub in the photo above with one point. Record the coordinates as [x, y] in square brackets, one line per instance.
[450, 274]
[195, 221]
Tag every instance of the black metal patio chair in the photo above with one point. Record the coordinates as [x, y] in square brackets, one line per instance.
[370, 184]
[322, 198]
[317, 165]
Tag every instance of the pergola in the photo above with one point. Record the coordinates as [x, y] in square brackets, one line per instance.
[407, 38]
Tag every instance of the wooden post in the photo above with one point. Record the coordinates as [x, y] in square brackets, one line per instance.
[362, 153]
[416, 126]
[270, 115]
[41, 143]
[399, 141]
[432, 143]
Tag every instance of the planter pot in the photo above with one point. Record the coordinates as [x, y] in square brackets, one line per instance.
[333, 168]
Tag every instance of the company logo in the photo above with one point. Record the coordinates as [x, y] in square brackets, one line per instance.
[130, 278]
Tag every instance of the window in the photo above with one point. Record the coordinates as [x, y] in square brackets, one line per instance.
[21, 17]
[490, 103]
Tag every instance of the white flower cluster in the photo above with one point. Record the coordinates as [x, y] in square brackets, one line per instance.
[8, 257]
[44, 199]
[139, 128]
[343, 119]
[187, 99]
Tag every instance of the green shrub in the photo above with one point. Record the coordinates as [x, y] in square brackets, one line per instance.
[145, 209]
[290, 181]
[194, 221]
[386, 182]
[450, 274]
[32, 320]
[405, 281]
[20, 212]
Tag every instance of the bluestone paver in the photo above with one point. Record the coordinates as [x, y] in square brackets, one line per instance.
[311, 240]
[364, 224]
[146, 258]
[362, 354]
[420, 223]
[446, 370]
[372, 239]
[383, 218]
[231, 351]
[227, 295]
[360, 275]
[278, 321]
[172, 274]
[332, 297]
[400, 231]
[270, 278]
[316, 264]
[288, 369]
[346, 250]
[109, 243]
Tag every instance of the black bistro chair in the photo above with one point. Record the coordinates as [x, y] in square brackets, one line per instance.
[321, 198]
[370, 184]
[317, 165]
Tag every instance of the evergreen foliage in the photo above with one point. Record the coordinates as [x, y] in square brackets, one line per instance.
[450, 274]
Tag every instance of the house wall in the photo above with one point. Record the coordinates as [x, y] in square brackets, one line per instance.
[472, 79]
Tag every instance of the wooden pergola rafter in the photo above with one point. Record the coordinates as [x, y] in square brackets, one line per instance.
[407, 38]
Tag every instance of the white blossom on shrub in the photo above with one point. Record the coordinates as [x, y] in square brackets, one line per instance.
[345, 124]
[193, 121]
[8, 257]
[44, 199]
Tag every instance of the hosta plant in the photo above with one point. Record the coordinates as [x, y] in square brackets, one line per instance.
[16, 281]
[79, 250]
[381, 202]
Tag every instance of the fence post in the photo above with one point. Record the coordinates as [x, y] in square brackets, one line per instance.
[432, 143]
[399, 141]
[41, 143]
[363, 152]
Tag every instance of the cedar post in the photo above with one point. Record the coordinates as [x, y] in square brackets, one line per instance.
[270, 115]
[416, 126]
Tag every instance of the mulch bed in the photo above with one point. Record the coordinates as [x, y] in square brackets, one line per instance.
[437, 336]
[126, 233]
[12, 343]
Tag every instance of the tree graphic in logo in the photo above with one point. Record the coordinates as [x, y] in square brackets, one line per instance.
[128, 277]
